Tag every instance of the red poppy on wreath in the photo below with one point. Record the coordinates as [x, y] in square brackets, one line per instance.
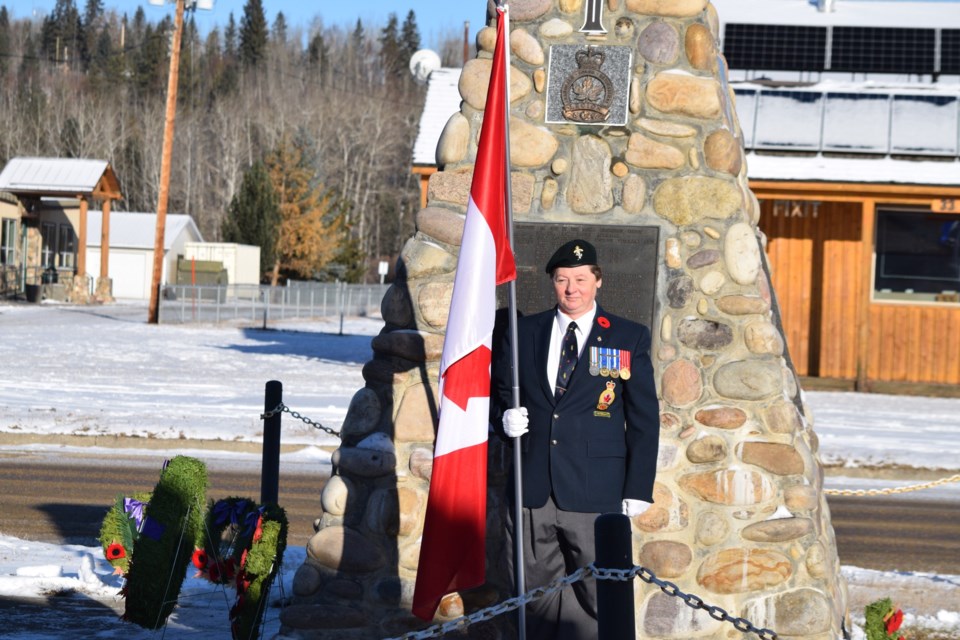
[213, 572]
[603, 322]
[258, 532]
[894, 621]
[243, 558]
[116, 551]
[200, 559]
[243, 583]
[229, 568]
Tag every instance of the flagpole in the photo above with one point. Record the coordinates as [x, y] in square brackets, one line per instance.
[518, 570]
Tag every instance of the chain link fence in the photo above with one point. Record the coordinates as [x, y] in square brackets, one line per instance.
[261, 304]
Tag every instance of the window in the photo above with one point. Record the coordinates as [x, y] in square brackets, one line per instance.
[48, 252]
[66, 243]
[918, 255]
[8, 242]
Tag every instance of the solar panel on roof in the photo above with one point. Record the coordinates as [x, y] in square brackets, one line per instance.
[856, 122]
[883, 50]
[924, 125]
[774, 47]
[746, 113]
[789, 120]
[950, 51]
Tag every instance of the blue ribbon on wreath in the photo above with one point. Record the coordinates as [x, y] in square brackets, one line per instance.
[250, 522]
[225, 510]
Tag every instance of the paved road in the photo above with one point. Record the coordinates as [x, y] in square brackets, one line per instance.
[64, 501]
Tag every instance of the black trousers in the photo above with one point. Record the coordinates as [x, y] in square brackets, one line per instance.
[557, 543]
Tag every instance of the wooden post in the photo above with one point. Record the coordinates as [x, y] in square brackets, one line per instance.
[866, 290]
[153, 314]
[105, 240]
[82, 239]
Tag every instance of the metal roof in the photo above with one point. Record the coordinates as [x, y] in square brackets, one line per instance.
[51, 176]
[136, 230]
[442, 101]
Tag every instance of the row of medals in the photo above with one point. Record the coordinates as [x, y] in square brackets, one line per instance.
[609, 363]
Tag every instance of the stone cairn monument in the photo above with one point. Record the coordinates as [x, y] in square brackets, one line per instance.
[620, 115]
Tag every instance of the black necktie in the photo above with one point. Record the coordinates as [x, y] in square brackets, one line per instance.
[568, 360]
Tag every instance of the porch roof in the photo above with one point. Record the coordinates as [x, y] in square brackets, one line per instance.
[59, 177]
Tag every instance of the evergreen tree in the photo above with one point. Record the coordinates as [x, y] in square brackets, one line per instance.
[230, 38]
[409, 39]
[254, 215]
[310, 230]
[61, 35]
[280, 29]
[390, 46]
[253, 33]
[318, 54]
[104, 63]
[4, 40]
[92, 14]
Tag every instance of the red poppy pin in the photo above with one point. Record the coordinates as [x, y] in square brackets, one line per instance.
[603, 322]
[116, 551]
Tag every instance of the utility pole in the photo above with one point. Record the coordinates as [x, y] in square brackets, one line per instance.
[153, 316]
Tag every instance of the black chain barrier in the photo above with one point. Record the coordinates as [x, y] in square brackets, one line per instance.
[282, 408]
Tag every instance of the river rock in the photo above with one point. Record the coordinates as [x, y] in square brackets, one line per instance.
[684, 95]
[441, 224]
[433, 301]
[417, 414]
[335, 495]
[416, 346]
[668, 617]
[712, 528]
[666, 328]
[816, 561]
[667, 8]
[634, 194]
[704, 334]
[548, 195]
[559, 166]
[555, 28]
[744, 570]
[722, 152]
[729, 487]
[721, 417]
[396, 307]
[451, 186]
[367, 463]
[345, 550]
[454, 140]
[800, 498]
[783, 417]
[748, 380]
[475, 79]
[307, 580]
[686, 200]
[672, 253]
[666, 128]
[779, 530]
[487, 39]
[645, 153]
[666, 558]
[530, 146]
[708, 449]
[700, 48]
[743, 305]
[659, 43]
[704, 258]
[526, 47]
[571, 6]
[308, 617]
[681, 385]
[798, 613]
[763, 338]
[679, 291]
[591, 183]
[624, 28]
[423, 259]
[363, 414]
[667, 513]
[421, 463]
[781, 459]
[742, 253]
[712, 282]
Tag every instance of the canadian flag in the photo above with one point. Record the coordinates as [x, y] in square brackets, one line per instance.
[452, 549]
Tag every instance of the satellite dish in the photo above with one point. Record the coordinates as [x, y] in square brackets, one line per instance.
[423, 63]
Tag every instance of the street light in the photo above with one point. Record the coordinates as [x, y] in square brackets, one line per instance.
[153, 314]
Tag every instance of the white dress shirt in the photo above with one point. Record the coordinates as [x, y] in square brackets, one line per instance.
[584, 324]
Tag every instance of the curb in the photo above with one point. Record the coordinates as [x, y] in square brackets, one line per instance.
[135, 442]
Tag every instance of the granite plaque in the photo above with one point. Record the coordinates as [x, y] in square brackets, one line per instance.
[589, 84]
[628, 256]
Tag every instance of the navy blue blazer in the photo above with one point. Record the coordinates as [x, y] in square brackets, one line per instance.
[590, 454]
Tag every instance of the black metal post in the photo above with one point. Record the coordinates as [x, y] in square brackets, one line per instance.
[614, 545]
[270, 469]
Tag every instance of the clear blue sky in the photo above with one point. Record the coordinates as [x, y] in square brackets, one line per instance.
[434, 17]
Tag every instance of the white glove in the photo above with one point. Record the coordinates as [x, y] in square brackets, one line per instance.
[634, 507]
[515, 422]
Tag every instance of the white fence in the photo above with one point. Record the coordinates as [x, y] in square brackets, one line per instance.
[261, 304]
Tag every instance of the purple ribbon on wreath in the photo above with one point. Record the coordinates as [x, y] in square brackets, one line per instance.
[224, 511]
[134, 509]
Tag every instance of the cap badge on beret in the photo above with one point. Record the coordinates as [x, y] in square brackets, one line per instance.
[577, 251]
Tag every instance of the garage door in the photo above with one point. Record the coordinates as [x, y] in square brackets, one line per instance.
[128, 271]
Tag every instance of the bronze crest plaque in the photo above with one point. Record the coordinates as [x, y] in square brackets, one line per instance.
[589, 84]
[628, 256]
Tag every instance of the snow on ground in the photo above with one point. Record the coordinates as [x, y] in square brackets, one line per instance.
[102, 371]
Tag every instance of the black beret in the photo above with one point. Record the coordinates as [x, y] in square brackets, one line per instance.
[575, 253]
